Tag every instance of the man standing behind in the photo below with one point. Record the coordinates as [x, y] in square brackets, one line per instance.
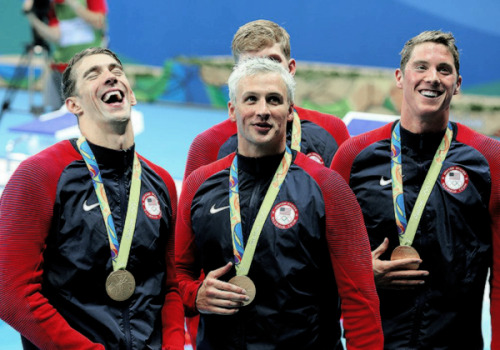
[315, 134]
[87, 234]
[284, 221]
[429, 189]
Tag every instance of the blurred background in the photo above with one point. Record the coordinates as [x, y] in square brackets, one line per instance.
[177, 55]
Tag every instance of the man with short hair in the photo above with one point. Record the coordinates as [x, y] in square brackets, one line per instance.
[315, 134]
[278, 236]
[87, 234]
[430, 195]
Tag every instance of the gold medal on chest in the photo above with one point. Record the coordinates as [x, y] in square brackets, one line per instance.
[406, 252]
[120, 285]
[247, 284]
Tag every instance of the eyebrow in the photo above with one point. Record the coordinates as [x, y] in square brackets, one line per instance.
[414, 63]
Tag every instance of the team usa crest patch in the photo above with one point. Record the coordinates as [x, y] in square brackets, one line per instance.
[151, 205]
[316, 157]
[284, 215]
[454, 179]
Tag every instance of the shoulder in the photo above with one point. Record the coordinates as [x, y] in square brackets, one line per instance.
[327, 121]
[53, 159]
[41, 172]
[321, 174]
[221, 131]
[315, 116]
[488, 146]
[200, 175]
[350, 149]
[164, 175]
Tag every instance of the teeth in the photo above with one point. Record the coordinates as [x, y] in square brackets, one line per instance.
[429, 93]
[108, 95]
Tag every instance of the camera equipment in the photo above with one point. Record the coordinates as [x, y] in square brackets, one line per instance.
[25, 69]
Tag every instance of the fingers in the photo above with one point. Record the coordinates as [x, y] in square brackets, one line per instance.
[398, 274]
[219, 297]
[380, 249]
[409, 279]
[221, 271]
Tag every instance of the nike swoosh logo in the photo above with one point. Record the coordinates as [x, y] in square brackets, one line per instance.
[384, 182]
[214, 210]
[87, 207]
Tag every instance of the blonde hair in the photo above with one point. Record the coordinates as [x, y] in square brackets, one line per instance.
[258, 35]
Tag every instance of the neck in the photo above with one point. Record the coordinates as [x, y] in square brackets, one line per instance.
[116, 138]
[424, 125]
[251, 150]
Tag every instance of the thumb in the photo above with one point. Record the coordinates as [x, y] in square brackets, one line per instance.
[381, 249]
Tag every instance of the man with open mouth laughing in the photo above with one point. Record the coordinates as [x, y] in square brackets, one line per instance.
[429, 190]
[95, 224]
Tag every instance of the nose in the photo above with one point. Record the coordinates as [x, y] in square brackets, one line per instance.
[110, 78]
[263, 109]
[433, 76]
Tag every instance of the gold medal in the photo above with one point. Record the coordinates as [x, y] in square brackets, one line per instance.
[406, 252]
[120, 285]
[247, 284]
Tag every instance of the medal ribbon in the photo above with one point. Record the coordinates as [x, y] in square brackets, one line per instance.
[243, 255]
[119, 250]
[296, 132]
[406, 231]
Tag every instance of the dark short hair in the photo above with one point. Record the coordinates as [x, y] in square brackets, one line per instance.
[433, 36]
[68, 80]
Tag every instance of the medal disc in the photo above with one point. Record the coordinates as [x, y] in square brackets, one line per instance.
[120, 285]
[247, 284]
[406, 252]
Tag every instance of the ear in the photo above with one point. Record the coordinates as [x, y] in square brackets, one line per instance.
[399, 78]
[290, 113]
[459, 84]
[133, 100]
[292, 66]
[73, 106]
[231, 109]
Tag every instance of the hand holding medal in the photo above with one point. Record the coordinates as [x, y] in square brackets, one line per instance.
[406, 252]
[401, 272]
[408, 229]
[222, 298]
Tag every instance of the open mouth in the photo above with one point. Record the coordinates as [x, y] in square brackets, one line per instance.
[263, 126]
[114, 96]
[431, 93]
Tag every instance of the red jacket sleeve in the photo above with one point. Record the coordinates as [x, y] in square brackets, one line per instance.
[26, 214]
[351, 260]
[205, 147]
[172, 311]
[347, 153]
[334, 125]
[491, 150]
